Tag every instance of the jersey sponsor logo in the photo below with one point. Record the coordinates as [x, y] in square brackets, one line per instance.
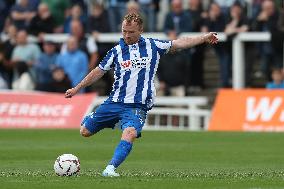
[137, 63]
[126, 64]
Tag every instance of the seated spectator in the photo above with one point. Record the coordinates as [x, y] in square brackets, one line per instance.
[87, 45]
[60, 82]
[277, 80]
[76, 14]
[25, 81]
[98, 21]
[42, 23]
[73, 61]
[44, 65]
[22, 14]
[25, 53]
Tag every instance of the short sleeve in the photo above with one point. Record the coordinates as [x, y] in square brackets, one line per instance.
[107, 62]
[163, 46]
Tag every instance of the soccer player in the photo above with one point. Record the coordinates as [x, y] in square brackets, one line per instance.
[134, 60]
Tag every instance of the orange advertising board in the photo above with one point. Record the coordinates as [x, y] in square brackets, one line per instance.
[248, 110]
[42, 110]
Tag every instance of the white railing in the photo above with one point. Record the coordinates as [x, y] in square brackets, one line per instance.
[175, 113]
[238, 47]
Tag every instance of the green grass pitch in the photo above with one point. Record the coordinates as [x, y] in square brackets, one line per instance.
[159, 160]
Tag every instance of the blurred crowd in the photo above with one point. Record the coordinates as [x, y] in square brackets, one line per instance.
[54, 67]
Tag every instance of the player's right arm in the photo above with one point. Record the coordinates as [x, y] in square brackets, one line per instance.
[93, 76]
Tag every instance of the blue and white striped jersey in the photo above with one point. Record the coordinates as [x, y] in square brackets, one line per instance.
[135, 67]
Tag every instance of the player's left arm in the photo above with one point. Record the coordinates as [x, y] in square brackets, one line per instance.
[187, 42]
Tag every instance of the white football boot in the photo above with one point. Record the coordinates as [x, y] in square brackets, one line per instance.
[110, 172]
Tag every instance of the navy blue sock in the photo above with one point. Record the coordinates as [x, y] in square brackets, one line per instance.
[121, 152]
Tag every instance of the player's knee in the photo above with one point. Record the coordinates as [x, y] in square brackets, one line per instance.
[84, 132]
[129, 134]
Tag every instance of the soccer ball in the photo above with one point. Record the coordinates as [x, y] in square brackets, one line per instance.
[67, 165]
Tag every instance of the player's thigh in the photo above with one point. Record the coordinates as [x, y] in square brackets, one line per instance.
[105, 116]
[133, 118]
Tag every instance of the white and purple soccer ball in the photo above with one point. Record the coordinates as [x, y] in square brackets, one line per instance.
[67, 165]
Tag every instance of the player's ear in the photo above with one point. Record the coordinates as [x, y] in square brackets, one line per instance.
[141, 29]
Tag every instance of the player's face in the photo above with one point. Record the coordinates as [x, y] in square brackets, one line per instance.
[131, 32]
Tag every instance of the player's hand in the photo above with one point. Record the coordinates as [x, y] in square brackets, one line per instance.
[211, 38]
[71, 92]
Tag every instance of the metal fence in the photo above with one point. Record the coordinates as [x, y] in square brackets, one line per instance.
[174, 113]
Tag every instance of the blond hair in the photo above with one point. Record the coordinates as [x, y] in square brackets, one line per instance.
[133, 17]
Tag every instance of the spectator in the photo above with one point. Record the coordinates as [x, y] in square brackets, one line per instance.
[116, 11]
[277, 80]
[226, 4]
[281, 17]
[76, 14]
[25, 81]
[60, 81]
[88, 45]
[43, 22]
[44, 66]
[22, 14]
[7, 49]
[277, 36]
[58, 9]
[148, 9]
[216, 22]
[238, 22]
[156, 7]
[177, 20]
[256, 8]
[10, 43]
[73, 61]
[267, 20]
[83, 4]
[25, 53]
[171, 73]
[134, 7]
[195, 76]
[99, 23]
